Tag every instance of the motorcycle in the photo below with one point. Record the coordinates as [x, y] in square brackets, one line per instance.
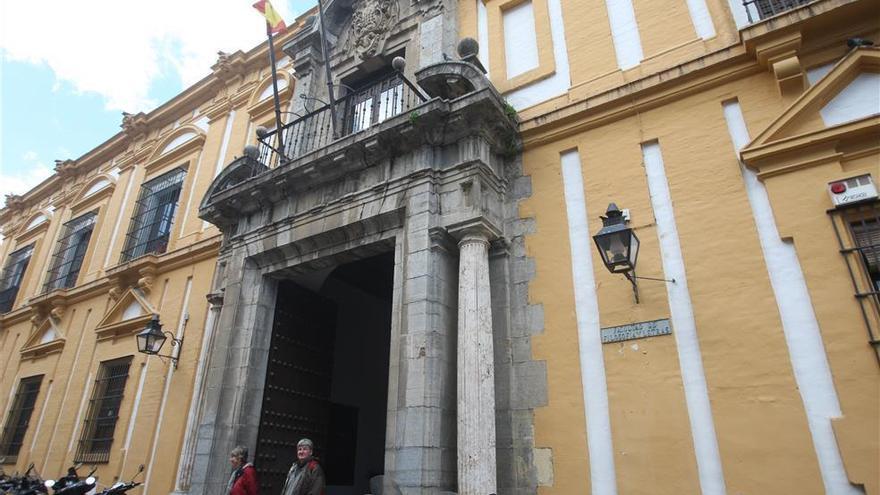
[26, 484]
[121, 487]
[72, 485]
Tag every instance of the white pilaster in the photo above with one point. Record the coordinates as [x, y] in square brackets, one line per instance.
[476, 369]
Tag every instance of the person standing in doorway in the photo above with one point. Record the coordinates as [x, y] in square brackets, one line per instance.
[243, 480]
[305, 476]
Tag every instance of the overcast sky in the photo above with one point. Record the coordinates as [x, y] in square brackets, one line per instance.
[69, 68]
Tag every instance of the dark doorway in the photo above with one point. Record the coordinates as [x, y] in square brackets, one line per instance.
[327, 376]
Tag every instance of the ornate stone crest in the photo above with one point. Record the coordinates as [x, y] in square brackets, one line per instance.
[370, 25]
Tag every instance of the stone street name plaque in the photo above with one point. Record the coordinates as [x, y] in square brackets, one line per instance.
[634, 331]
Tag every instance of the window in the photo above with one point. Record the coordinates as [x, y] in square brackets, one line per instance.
[858, 231]
[100, 423]
[154, 211]
[12, 276]
[18, 418]
[69, 252]
[866, 238]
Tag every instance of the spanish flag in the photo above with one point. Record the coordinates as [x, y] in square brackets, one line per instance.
[274, 22]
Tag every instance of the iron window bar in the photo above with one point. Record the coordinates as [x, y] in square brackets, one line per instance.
[13, 274]
[69, 252]
[103, 412]
[150, 225]
[361, 109]
[18, 419]
[758, 10]
[857, 228]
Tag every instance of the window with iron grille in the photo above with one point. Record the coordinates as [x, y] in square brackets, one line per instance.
[150, 226]
[858, 231]
[12, 276]
[19, 417]
[100, 422]
[69, 252]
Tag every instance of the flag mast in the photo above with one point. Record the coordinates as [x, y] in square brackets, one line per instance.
[274, 24]
[326, 56]
[279, 130]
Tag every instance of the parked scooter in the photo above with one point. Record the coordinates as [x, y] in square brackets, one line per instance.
[26, 484]
[77, 487]
[120, 487]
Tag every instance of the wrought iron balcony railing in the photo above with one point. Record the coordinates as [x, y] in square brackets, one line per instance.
[356, 111]
[761, 9]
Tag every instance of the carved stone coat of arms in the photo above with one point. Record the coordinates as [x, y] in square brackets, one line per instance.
[370, 25]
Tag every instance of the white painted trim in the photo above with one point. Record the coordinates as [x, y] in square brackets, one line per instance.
[119, 217]
[181, 325]
[625, 33]
[227, 131]
[79, 413]
[701, 18]
[560, 81]
[799, 324]
[684, 326]
[859, 99]
[483, 34]
[178, 141]
[595, 389]
[520, 39]
[82, 336]
[191, 194]
[740, 16]
[42, 415]
[132, 418]
[184, 468]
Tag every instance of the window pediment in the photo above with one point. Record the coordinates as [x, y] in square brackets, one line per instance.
[46, 339]
[129, 314]
[801, 136]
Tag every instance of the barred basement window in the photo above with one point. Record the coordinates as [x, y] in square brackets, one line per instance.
[69, 252]
[12, 276]
[151, 224]
[100, 422]
[19, 417]
[858, 231]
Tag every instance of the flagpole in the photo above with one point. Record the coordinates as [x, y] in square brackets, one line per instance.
[326, 55]
[279, 130]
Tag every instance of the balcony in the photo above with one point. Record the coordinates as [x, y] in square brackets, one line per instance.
[759, 10]
[388, 120]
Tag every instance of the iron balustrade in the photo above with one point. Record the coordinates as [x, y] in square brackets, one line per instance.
[100, 422]
[357, 111]
[762, 9]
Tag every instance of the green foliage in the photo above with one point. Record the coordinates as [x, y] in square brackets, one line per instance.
[413, 117]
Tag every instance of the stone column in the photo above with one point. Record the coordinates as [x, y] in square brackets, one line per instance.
[476, 368]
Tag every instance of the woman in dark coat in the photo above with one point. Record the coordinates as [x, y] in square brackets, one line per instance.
[243, 480]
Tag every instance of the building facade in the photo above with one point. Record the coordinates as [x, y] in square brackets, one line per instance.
[407, 276]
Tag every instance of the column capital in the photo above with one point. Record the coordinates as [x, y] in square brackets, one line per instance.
[476, 229]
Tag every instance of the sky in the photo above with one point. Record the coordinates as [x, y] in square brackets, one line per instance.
[68, 69]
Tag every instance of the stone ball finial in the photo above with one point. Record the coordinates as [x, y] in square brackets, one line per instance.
[251, 151]
[262, 132]
[398, 64]
[468, 47]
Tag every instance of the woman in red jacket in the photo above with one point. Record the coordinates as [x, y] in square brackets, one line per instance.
[243, 480]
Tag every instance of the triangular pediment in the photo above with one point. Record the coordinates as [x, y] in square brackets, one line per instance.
[129, 313]
[823, 106]
[47, 338]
